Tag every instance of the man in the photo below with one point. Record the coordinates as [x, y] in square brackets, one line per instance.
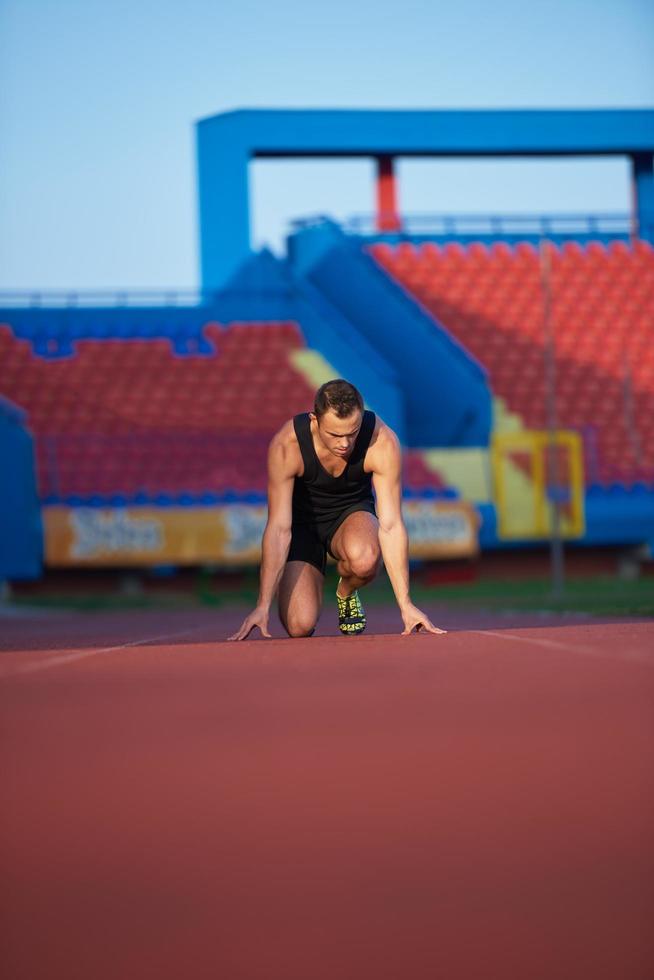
[322, 466]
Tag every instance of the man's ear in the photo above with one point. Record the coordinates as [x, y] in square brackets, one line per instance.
[312, 415]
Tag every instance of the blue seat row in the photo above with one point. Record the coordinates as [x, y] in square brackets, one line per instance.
[208, 499]
[632, 490]
[53, 335]
[157, 499]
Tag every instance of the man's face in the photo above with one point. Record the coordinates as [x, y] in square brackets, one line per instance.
[339, 435]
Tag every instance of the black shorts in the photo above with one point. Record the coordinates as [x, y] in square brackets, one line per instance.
[312, 542]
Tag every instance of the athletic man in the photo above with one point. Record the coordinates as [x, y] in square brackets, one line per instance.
[322, 466]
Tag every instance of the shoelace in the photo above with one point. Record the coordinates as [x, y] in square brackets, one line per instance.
[353, 605]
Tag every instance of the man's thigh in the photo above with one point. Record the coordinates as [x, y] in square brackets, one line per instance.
[300, 594]
[359, 531]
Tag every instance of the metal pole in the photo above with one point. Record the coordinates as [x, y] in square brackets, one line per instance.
[552, 469]
[630, 414]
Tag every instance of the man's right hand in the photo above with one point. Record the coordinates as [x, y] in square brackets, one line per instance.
[257, 618]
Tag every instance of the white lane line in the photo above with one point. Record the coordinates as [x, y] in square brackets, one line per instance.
[68, 658]
[634, 656]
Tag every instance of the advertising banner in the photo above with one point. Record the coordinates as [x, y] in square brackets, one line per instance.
[227, 535]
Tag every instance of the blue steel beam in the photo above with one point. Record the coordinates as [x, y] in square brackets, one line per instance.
[227, 142]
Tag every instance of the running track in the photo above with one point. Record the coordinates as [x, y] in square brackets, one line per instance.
[475, 805]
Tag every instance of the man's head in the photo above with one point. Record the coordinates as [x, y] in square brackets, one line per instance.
[338, 410]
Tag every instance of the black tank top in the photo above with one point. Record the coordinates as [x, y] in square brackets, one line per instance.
[318, 497]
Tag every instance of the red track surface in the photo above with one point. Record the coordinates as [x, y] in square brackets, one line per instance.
[475, 805]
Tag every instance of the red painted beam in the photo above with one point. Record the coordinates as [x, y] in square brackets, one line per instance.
[388, 218]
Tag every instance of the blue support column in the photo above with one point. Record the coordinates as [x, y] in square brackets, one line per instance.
[21, 533]
[224, 205]
[643, 177]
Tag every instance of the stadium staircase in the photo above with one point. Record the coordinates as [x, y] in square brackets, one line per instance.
[444, 389]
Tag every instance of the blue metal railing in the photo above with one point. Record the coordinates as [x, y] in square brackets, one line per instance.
[102, 298]
[607, 223]
[604, 227]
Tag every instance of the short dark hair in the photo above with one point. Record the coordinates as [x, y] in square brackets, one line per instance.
[338, 396]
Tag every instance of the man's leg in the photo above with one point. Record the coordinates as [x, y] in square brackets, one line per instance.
[300, 598]
[355, 546]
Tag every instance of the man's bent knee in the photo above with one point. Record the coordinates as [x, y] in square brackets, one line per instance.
[365, 563]
[297, 628]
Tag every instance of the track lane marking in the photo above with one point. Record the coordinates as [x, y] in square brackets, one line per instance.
[630, 656]
[49, 662]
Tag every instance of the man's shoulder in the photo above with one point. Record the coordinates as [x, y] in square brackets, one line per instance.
[284, 447]
[384, 447]
[285, 436]
[384, 438]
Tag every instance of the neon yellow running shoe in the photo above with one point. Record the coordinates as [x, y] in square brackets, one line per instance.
[351, 617]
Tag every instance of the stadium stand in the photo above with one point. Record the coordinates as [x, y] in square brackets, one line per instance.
[131, 421]
[491, 300]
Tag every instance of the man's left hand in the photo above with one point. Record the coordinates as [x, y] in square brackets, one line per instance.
[416, 620]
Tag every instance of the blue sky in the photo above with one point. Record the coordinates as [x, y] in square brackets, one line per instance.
[98, 102]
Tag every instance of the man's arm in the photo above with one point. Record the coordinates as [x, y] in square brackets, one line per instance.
[276, 536]
[393, 539]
